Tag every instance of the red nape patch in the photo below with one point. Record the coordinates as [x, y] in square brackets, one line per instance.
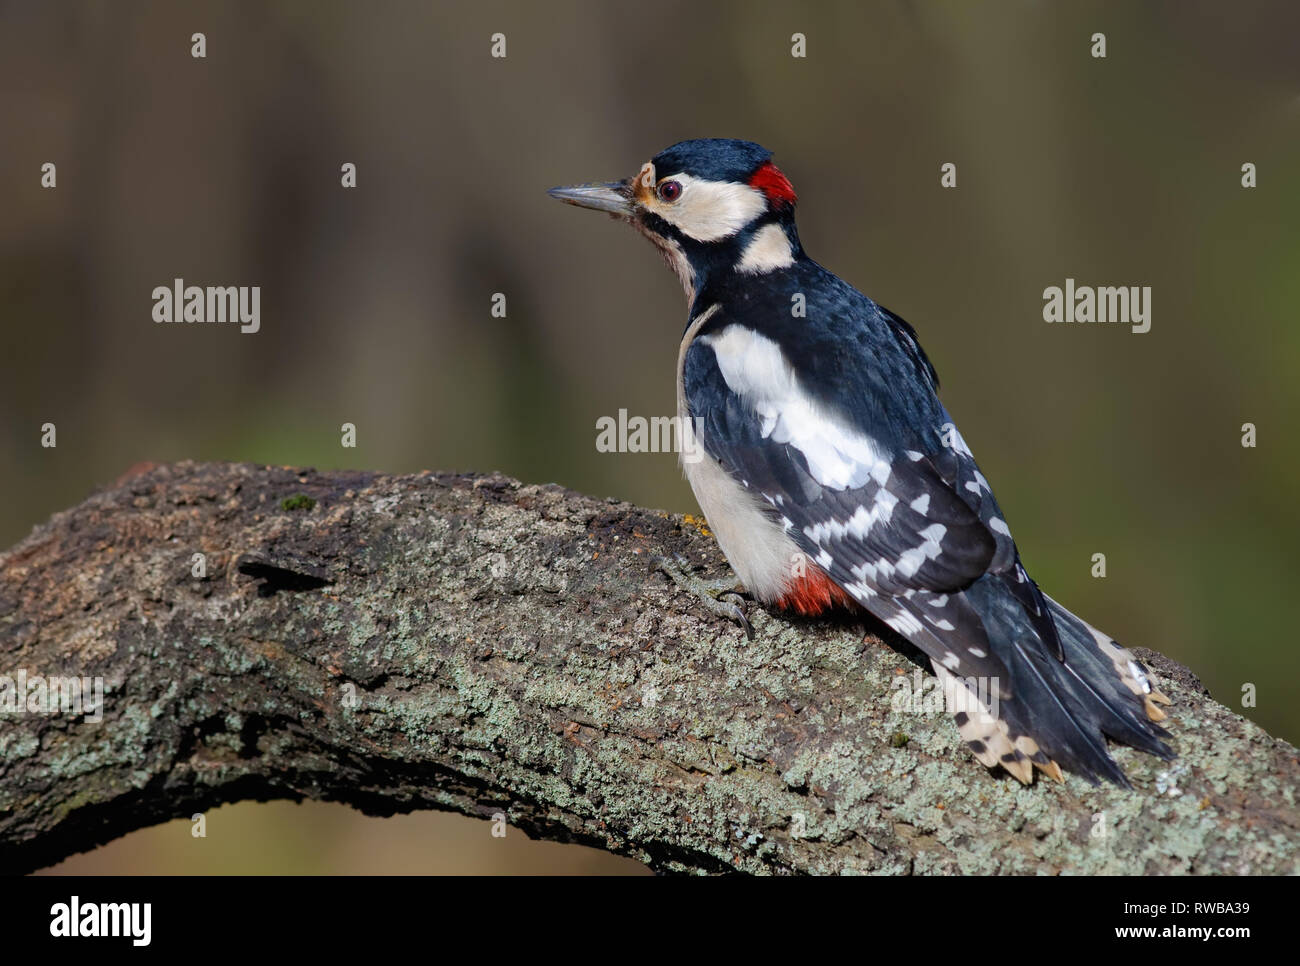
[815, 593]
[769, 180]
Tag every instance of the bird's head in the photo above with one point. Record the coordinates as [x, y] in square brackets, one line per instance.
[713, 206]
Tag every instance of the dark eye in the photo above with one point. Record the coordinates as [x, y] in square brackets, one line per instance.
[670, 191]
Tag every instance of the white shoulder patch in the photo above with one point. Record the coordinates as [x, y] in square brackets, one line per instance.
[755, 369]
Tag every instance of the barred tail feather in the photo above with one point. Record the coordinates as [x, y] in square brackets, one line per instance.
[1108, 660]
[1068, 706]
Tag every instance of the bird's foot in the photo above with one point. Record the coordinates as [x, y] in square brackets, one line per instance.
[722, 598]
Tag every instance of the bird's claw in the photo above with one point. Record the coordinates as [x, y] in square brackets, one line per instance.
[722, 598]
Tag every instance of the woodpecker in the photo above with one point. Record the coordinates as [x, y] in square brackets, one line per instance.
[832, 475]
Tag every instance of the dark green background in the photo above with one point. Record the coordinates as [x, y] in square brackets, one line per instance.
[375, 301]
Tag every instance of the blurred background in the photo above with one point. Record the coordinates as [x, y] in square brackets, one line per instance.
[376, 301]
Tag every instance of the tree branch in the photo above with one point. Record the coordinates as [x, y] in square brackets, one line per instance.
[471, 644]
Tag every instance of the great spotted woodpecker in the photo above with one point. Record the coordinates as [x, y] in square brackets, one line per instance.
[834, 476]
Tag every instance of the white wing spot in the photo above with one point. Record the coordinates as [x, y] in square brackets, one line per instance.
[906, 624]
[910, 561]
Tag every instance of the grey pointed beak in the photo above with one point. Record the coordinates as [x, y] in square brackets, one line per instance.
[613, 196]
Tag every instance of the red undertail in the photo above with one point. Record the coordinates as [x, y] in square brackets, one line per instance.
[814, 593]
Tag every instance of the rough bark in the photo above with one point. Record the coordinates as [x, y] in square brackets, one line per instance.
[472, 644]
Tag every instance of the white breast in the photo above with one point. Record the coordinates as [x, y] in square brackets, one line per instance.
[763, 555]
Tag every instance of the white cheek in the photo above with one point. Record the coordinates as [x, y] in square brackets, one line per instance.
[709, 210]
[769, 250]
